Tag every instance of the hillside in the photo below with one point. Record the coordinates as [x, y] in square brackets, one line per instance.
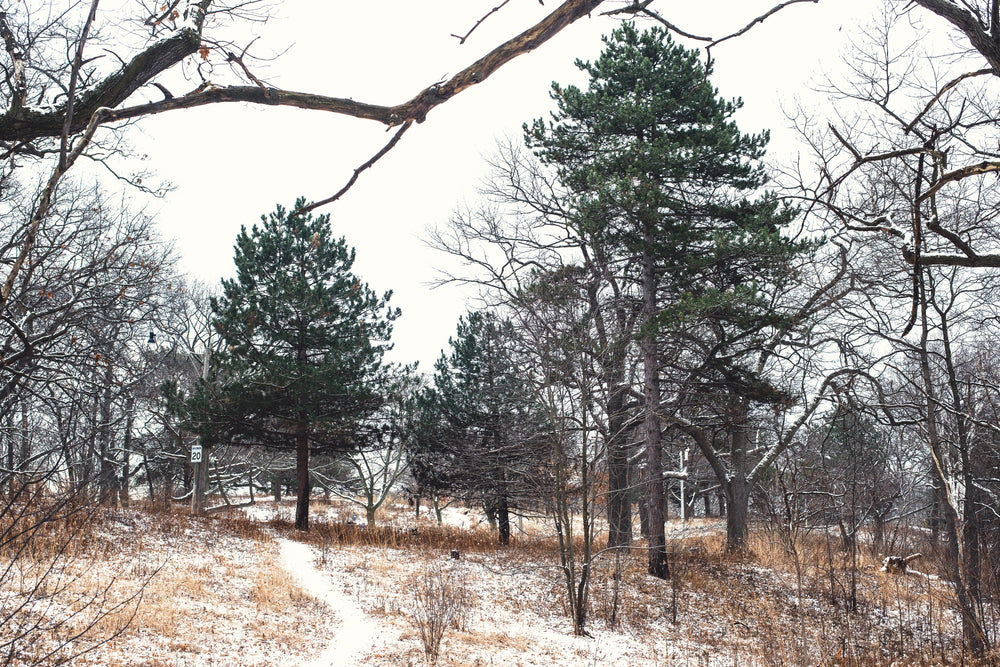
[246, 589]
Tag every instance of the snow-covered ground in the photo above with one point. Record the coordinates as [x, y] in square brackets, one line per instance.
[245, 590]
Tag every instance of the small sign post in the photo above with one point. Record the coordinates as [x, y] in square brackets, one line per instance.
[196, 453]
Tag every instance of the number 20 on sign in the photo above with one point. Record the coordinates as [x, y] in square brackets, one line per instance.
[196, 454]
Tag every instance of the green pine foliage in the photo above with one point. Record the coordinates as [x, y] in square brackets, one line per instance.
[492, 430]
[658, 169]
[304, 339]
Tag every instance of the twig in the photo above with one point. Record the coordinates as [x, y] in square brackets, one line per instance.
[238, 59]
[638, 7]
[461, 40]
[759, 19]
[357, 172]
[643, 8]
[948, 86]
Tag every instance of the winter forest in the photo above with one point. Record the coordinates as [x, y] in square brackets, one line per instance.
[709, 404]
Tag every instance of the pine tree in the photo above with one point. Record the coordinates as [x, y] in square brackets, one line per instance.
[493, 424]
[305, 340]
[661, 177]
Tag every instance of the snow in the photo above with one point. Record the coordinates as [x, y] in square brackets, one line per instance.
[355, 634]
[229, 591]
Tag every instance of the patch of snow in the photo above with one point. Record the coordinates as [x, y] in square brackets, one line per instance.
[356, 633]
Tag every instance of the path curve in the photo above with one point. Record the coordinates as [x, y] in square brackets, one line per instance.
[356, 633]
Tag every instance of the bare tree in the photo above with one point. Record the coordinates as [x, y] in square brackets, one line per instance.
[907, 167]
[367, 477]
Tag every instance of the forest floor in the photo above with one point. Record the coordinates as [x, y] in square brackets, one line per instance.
[246, 589]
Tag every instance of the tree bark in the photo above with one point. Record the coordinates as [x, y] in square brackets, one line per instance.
[619, 505]
[303, 487]
[738, 488]
[658, 566]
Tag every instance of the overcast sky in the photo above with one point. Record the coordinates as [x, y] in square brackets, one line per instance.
[230, 164]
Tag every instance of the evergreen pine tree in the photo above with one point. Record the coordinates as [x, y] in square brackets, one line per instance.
[662, 178]
[493, 423]
[305, 340]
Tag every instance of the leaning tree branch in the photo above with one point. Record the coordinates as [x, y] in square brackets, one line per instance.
[160, 56]
[986, 167]
[73, 80]
[948, 86]
[934, 225]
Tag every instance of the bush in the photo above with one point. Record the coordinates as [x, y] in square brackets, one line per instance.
[440, 601]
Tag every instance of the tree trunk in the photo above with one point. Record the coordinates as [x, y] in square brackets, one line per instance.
[937, 499]
[106, 484]
[149, 477]
[126, 480]
[503, 519]
[738, 490]
[658, 566]
[972, 627]
[303, 487]
[168, 489]
[642, 505]
[12, 478]
[963, 535]
[438, 511]
[619, 504]
[738, 496]
[737, 525]
[25, 453]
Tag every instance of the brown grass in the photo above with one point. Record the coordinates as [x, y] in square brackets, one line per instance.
[782, 603]
[153, 576]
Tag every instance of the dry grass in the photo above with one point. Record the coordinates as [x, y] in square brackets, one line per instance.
[206, 581]
[166, 584]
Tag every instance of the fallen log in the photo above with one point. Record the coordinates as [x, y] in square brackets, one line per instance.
[898, 564]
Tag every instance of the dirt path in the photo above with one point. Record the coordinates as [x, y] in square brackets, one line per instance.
[356, 633]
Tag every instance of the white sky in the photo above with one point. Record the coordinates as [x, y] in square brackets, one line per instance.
[230, 164]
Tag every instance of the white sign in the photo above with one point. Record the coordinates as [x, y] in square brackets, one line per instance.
[195, 453]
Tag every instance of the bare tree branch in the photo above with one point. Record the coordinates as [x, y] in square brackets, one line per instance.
[25, 124]
[357, 172]
[461, 39]
[948, 86]
[986, 167]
